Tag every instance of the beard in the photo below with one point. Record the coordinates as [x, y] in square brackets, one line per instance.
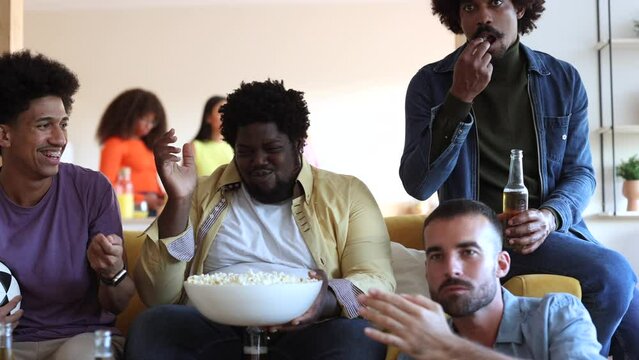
[465, 305]
[283, 190]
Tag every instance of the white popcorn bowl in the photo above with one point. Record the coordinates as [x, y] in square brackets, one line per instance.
[252, 305]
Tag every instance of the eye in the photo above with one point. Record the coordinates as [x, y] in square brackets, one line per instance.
[467, 7]
[42, 126]
[434, 257]
[496, 2]
[274, 149]
[64, 124]
[469, 252]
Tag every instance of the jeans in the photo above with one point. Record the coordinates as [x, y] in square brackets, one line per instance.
[181, 332]
[607, 284]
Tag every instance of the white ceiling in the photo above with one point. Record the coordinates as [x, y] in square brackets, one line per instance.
[34, 5]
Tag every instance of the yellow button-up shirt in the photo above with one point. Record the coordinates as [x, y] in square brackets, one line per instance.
[337, 216]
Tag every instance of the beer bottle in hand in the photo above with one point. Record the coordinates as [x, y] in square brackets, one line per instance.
[6, 341]
[515, 196]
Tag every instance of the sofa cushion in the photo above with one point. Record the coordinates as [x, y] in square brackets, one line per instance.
[409, 269]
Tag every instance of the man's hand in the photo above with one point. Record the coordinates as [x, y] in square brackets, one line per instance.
[105, 255]
[413, 323]
[323, 306]
[473, 71]
[6, 309]
[526, 231]
[178, 180]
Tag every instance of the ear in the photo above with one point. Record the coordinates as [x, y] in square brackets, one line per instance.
[521, 12]
[5, 136]
[503, 264]
[299, 146]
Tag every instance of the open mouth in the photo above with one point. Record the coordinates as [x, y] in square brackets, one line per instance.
[54, 155]
[488, 33]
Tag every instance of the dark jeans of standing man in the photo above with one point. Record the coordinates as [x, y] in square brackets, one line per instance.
[180, 332]
[607, 283]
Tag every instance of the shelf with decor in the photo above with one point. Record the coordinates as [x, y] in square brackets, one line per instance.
[618, 126]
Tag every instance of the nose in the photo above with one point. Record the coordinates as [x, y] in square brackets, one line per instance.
[484, 16]
[259, 158]
[453, 266]
[58, 136]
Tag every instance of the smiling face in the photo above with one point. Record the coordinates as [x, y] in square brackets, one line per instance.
[463, 266]
[494, 20]
[268, 162]
[34, 142]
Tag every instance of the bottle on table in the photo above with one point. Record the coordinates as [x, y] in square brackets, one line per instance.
[125, 194]
[102, 345]
[255, 344]
[515, 195]
[6, 341]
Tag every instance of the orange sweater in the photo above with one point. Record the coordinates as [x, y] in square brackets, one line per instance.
[118, 152]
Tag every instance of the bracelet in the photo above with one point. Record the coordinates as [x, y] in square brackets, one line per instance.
[116, 279]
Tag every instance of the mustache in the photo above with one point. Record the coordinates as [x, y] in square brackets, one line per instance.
[261, 168]
[488, 29]
[455, 281]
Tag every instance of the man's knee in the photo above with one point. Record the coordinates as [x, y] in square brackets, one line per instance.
[614, 270]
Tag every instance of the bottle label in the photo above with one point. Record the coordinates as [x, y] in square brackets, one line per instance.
[515, 202]
[127, 205]
[255, 350]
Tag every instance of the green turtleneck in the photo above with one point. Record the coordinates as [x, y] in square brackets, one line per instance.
[504, 120]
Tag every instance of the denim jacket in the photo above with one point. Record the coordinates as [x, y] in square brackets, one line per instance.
[559, 104]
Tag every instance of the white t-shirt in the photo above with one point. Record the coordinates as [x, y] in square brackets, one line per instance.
[258, 236]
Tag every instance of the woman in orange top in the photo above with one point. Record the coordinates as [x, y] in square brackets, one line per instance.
[127, 130]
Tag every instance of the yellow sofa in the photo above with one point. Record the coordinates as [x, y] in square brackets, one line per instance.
[404, 229]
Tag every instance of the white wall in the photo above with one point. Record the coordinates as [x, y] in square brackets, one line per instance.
[353, 60]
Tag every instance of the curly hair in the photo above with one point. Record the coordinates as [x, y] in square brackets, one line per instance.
[265, 102]
[125, 110]
[206, 130]
[448, 12]
[25, 76]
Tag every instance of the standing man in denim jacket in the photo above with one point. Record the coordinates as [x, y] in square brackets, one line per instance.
[464, 114]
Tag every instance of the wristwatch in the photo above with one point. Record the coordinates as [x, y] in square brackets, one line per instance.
[116, 279]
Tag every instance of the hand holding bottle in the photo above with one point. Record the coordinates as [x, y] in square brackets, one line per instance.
[527, 230]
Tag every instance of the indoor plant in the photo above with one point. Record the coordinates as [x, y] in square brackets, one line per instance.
[629, 171]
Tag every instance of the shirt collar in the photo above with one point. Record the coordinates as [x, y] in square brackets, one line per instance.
[511, 320]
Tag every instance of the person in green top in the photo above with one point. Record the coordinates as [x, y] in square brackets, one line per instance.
[211, 150]
[466, 112]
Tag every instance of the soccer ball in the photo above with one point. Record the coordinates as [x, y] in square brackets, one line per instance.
[9, 287]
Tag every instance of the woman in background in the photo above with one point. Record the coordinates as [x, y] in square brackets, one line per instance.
[210, 150]
[127, 130]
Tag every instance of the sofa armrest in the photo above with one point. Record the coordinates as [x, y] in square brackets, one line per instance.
[133, 244]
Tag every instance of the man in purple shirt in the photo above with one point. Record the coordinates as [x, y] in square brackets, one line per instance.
[61, 233]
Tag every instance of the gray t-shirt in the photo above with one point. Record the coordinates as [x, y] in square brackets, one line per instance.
[45, 248]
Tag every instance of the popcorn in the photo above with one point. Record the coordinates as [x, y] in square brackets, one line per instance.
[249, 278]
